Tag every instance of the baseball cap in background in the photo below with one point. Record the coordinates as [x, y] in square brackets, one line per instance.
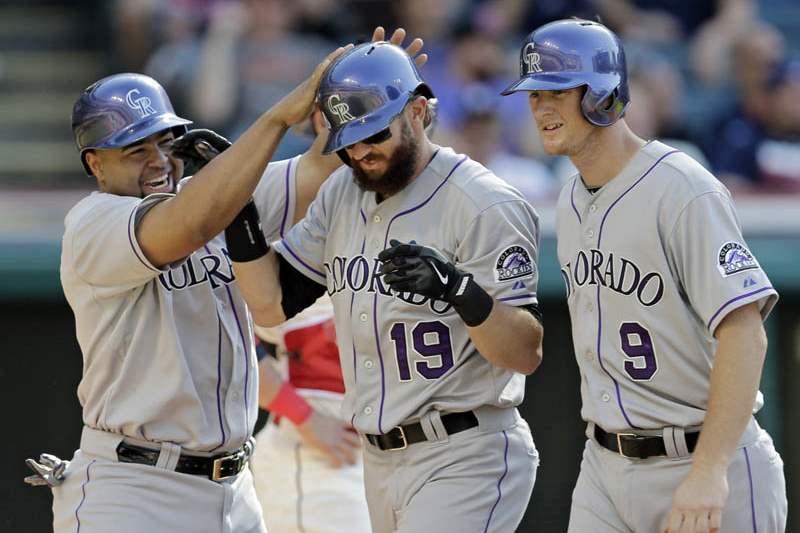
[477, 99]
[784, 72]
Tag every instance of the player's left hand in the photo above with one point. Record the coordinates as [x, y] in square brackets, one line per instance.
[397, 38]
[198, 147]
[410, 267]
[697, 503]
[49, 470]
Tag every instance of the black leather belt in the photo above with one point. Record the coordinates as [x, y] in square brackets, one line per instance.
[638, 446]
[400, 437]
[216, 468]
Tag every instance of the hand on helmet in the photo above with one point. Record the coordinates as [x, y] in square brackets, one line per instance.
[198, 147]
[397, 38]
[419, 269]
[49, 470]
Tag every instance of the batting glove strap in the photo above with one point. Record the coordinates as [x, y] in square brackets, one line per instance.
[471, 302]
[244, 237]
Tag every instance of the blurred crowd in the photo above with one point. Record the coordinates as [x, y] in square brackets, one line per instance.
[711, 77]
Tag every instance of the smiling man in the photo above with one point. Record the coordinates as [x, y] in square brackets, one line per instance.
[169, 385]
[666, 303]
[430, 262]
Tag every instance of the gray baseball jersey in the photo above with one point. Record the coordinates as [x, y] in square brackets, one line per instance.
[653, 262]
[168, 352]
[404, 355]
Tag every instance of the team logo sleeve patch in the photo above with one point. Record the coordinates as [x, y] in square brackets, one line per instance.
[733, 258]
[513, 263]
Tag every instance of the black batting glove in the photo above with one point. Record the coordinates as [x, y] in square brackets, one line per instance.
[197, 147]
[419, 269]
[410, 267]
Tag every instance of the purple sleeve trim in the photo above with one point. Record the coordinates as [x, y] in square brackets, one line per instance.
[288, 198]
[572, 199]
[133, 245]
[732, 300]
[311, 269]
[518, 297]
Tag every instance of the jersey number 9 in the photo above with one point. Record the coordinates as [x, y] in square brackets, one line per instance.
[644, 364]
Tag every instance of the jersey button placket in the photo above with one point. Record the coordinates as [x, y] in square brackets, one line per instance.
[368, 410]
[368, 364]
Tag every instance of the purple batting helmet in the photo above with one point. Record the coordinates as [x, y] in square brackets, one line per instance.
[120, 110]
[365, 90]
[572, 53]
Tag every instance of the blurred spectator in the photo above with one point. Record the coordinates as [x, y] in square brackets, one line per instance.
[758, 148]
[478, 132]
[476, 58]
[251, 57]
[175, 62]
[508, 20]
[141, 26]
[708, 27]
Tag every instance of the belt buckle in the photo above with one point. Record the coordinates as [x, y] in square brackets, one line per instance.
[216, 467]
[619, 444]
[402, 436]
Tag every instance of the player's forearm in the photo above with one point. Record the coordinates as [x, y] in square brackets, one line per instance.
[509, 338]
[269, 382]
[216, 194]
[260, 286]
[735, 378]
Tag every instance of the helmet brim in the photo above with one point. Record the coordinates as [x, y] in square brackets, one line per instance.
[144, 129]
[361, 128]
[544, 82]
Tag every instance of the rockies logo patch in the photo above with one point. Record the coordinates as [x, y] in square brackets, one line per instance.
[733, 258]
[515, 262]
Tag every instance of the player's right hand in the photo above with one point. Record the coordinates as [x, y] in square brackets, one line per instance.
[298, 104]
[198, 147]
[332, 437]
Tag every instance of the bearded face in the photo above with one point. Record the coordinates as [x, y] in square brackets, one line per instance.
[388, 172]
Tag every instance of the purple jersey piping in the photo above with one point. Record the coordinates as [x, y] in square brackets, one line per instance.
[499, 482]
[288, 249]
[752, 490]
[572, 199]
[286, 203]
[518, 297]
[219, 381]
[246, 356]
[83, 493]
[732, 300]
[133, 247]
[244, 347]
[599, 311]
[352, 301]
[375, 298]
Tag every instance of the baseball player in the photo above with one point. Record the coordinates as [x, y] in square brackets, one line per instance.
[666, 303]
[430, 262]
[169, 386]
[307, 463]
